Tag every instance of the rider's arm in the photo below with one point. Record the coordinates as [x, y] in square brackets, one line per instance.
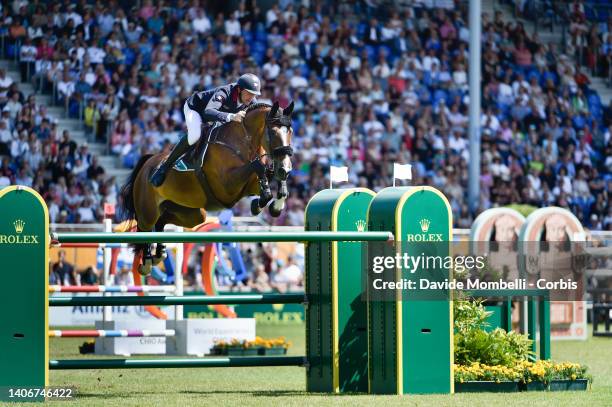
[212, 112]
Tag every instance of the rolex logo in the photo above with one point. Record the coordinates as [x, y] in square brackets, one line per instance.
[18, 237]
[19, 225]
[425, 223]
[361, 225]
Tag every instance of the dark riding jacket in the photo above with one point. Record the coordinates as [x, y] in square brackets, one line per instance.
[216, 104]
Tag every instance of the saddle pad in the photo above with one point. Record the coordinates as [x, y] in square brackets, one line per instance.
[195, 157]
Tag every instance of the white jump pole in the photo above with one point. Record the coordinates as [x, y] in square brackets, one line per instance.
[178, 277]
[107, 312]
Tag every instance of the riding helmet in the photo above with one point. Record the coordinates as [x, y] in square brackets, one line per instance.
[251, 83]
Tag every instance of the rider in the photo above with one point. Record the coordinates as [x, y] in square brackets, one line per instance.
[223, 104]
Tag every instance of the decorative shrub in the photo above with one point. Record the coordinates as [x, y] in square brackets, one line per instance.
[474, 345]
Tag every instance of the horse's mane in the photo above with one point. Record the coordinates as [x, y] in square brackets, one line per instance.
[255, 106]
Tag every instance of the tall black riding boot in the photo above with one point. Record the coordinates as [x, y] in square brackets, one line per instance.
[159, 175]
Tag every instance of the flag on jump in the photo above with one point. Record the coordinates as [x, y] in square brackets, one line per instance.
[401, 171]
[337, 174]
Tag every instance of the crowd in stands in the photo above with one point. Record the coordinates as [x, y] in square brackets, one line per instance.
[372, 86]
[265, 268]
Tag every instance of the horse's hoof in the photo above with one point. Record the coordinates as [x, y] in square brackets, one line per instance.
[145, 268]
[266, 196]
[160, 256]
[276, 209]
[255, 209]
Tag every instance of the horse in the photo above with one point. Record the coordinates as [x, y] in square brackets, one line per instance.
[241, 160]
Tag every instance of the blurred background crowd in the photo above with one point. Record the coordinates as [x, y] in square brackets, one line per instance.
[374, 83]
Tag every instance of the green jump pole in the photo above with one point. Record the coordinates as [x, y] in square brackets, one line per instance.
[178, 300]
[73, 364]
[221, 237]
[544, 319]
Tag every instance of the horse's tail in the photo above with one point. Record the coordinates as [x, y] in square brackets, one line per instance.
[127, 190]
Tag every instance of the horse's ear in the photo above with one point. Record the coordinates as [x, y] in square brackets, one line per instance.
[274, 110]
[288, 110]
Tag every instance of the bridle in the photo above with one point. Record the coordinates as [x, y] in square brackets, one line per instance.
[281, 151]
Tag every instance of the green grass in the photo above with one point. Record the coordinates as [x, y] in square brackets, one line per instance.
[284, 386]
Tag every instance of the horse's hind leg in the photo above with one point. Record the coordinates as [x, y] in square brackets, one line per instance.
[148, 217]
[160, 248]
[146, 257]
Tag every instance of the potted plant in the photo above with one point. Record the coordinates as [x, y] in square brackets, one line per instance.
[219, 348]
[569, 376]
[241, 348]
[483, 378]
[276, 346]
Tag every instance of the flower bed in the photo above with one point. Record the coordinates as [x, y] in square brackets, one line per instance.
[259, 346]
[524, 375]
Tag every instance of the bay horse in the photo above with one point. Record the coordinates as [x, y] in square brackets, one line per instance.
[232, 169]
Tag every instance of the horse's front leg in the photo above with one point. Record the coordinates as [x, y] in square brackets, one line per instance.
[147, 261]
[279, 203]
[160, 253]
[265, 194]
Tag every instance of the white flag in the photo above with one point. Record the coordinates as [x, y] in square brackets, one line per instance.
[338, 174]
[402, 171]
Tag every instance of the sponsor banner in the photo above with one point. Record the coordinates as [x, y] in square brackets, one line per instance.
[198, 336]
[87, 316]
[132, 346]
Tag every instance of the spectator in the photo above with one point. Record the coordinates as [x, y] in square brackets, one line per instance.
[259, 281]
[123, 276]
[63, 269]
[89, 276]
[288, 277]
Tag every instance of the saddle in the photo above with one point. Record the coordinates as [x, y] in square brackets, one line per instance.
[194, 158]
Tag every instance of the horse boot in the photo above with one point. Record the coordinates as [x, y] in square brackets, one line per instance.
[159, 175]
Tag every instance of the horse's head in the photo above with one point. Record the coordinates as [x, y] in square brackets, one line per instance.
[277, 140]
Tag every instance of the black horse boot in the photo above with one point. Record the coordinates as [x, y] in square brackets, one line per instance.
[159, 175]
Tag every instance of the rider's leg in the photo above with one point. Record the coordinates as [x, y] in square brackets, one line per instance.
[194, 128]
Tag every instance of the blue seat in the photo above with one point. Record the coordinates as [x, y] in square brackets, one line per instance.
[261, 36]
[438, 95]
[427, 80]
[304, 70]
[260, 47]
[258, 57]
[372, 52]
[590, 13]
[361, 28]
[424, 96]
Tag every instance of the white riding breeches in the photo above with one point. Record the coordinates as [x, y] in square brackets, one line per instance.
[194, 124]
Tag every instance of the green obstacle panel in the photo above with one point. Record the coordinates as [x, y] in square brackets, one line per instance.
[410, 331]
[336, 321]
[24, 242]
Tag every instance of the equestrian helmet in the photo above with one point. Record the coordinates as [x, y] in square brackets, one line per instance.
[250, 82]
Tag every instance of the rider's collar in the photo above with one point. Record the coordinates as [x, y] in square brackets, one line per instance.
[235, 95]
